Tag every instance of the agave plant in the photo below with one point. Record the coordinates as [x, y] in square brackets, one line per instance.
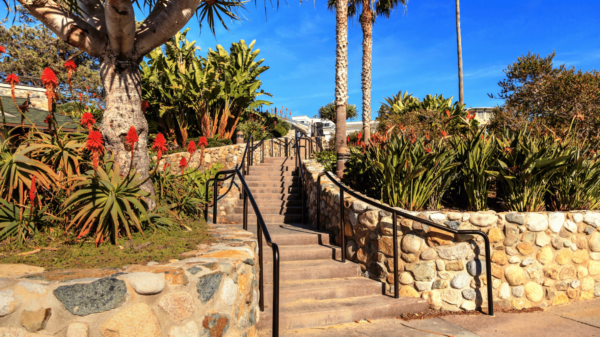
[476, 154]
[525, 168]
[62, 152]
[107, 203]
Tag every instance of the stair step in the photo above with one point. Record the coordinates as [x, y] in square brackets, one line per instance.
[269, 210]
[268, 218]
[309, 270]
[303, 253]
[272, 203]
[274, 196]
[271, 168]
[270, 178]
[313, 290]
[304, 314]
[269, 175]
[279, 159]
[271, 184]
[284, 190]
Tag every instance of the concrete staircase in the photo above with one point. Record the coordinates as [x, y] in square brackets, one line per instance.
[316, 289]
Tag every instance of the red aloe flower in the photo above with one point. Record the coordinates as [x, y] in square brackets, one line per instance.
[71, 67]
[145, 106]
[444, 133]
[182, 164]
[132, 137]
[348, 139]
[48, 120]
[359, 135]
[191, 148]
[447, 113]
[470, 116]
[2, 50]
[165, 166]
[87, 120]
[49, 78]
[12, 79]
[160, 145]
[95, 144]
[32, 191]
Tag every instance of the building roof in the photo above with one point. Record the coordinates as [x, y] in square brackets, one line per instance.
[37, 116]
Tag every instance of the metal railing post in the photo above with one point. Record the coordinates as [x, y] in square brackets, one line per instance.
[318, 224]
[261, 300]
[342, 224]
[215, 198]
[488, 273]
[395, 243]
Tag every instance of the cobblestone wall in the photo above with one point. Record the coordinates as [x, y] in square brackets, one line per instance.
[538, 259]
[212, 291]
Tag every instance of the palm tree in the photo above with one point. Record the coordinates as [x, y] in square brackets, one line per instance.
[370, 10]
[461, 94]
[341, 83]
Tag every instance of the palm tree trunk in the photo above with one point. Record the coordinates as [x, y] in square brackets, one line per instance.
[366, 22]
[341, 83]
[461, 94]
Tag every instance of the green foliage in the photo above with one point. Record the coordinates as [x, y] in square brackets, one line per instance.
[404, 173]
[526, 167]
[545, 97]
[32, 47]
[253, 127]
[113, 203]
[22, 221]
[476, 154]
[577, 187]
[328, 112]
[433, 115]
[328, 159]
[279, 131]
[206, 96]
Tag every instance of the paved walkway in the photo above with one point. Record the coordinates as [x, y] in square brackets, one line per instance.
[575, 320]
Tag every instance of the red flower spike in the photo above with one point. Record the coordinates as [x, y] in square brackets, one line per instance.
[145, 106]
[49, 78]
[87, 88]
[87, 120]
[2, 50]
[447, 113]
[32, 190]
[470, 116]
[70, 65]
[132, 137]
[160, 145]
[191, 148]
[182, 164]
[12, 79]
[95, 144]
[165, 166]
[444, 133]
[202, 142]
[348, 139]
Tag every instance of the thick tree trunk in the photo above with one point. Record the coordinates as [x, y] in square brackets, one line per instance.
[341, 84]
[461, 94]
[366, 22]
[122, 83]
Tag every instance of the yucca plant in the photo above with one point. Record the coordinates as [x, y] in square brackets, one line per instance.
[525, 168]
[578, 185]
[107, 203]
[476, 155]
[413, 172]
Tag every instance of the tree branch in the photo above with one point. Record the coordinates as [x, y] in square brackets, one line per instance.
[165, 20]
[93, 13]
[67, 27]
[120, 24]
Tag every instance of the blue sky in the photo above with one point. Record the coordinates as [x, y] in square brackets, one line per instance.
[413, 50]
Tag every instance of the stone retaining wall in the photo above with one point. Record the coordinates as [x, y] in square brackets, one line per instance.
[212, 291]
[538, 259]
[229, 156]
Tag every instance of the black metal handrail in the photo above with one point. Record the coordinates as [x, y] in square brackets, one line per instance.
[298, 162]
[261, 229]
[396, 213]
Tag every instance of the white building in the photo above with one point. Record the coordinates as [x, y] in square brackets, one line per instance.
[328, 126]
[482, 114]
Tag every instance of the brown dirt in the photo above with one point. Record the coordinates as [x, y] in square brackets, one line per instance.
[441, 313]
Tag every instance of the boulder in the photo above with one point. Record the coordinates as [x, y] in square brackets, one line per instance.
[178, 306]
[556, 221]
[89, 298]
[515, 276]
[145, 283]
[537, 222]
[134, 321]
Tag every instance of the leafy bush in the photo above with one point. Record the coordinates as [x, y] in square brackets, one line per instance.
[328, 159]
[253, 127]
[279, 131]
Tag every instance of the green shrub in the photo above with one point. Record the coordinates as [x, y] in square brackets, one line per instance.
[328, 159]
[526, 166]
[279, 131]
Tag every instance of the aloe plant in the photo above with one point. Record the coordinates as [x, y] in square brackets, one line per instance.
[476, 154]
[22, 221]
[525, 168]
[107, 203]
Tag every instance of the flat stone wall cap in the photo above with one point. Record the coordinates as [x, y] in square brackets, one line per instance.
[18, 270]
